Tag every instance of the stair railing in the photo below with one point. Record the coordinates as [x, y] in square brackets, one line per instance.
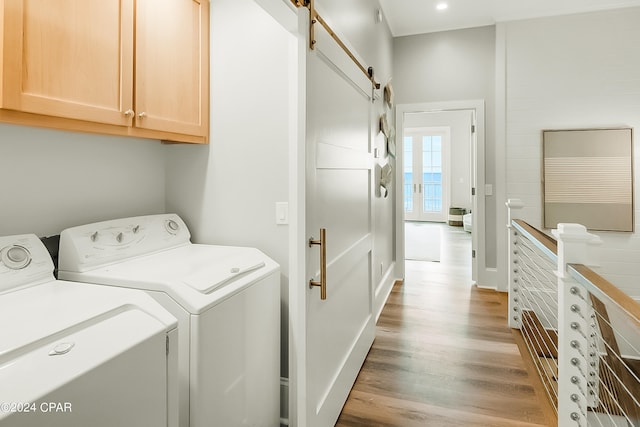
[581, 332]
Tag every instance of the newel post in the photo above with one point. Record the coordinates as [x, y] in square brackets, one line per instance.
[513, 210]
[575, 353]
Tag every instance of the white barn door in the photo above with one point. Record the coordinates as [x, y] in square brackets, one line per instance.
[339, 329]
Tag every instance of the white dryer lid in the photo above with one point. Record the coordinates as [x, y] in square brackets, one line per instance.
[196, 276]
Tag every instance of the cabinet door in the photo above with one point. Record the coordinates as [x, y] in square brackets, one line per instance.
[172, 66]
[69, 58]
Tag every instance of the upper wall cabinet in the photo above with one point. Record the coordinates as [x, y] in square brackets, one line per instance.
[172, 66]
[109, 66]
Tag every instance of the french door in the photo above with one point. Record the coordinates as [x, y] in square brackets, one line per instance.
[426, 175]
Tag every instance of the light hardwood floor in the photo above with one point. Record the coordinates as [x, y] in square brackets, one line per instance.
[443, 353]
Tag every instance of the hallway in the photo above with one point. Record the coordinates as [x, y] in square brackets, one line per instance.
[443, 354]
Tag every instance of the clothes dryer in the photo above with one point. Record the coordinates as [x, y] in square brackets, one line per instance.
[226, 299]
[78, 355]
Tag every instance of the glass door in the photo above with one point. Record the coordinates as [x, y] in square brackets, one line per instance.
[426, 174]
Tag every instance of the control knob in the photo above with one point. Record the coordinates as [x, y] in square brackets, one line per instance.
[172, 226]
[16, 257]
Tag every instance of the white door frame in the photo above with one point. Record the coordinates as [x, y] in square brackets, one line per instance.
[298, 227]
[296, 21]
[479, 274]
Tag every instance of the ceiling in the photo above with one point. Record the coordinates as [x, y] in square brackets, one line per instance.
[408, 17]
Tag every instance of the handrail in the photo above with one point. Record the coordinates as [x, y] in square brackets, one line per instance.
[624, 301]
[547, 241]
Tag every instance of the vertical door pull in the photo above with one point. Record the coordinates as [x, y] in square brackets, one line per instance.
[323, 263]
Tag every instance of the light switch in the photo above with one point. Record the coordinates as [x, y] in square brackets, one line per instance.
[282, 213]
[488, 190]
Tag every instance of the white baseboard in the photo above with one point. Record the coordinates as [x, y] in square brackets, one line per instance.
[489, 280]
[284, 402]
[383, 289]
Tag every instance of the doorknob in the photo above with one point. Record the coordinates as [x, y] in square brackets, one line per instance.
[323, 263]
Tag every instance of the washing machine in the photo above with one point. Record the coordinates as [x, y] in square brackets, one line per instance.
[78, 355]
[226, 299]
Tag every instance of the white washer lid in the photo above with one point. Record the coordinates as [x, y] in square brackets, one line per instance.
[42, 313]
[196, 276]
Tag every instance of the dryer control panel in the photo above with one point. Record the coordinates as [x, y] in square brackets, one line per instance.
[24, 260]
[90, 246]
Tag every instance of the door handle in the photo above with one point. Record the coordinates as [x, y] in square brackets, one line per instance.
[323, 263]
[420, 188]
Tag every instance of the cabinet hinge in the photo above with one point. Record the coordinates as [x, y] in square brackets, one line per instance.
[167, 344]
[473, 253]
[473, 191]
[473, 128]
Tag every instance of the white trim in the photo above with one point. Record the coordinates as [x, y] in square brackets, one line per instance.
[480, 272]
[284, 401]
[501, 279]
[490, 276]
[297, 225]
[382, 291]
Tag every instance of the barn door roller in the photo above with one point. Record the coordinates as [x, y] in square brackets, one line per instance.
[315, 18]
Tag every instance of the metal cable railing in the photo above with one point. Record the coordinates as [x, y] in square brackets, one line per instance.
[581, 332]
[614, 389]
[537, 302]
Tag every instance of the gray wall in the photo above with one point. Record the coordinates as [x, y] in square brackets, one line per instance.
[453, 66]
[52, 180]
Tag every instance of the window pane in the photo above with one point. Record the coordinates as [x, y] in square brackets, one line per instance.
[437, 143]
[426, 144]
[432, 173]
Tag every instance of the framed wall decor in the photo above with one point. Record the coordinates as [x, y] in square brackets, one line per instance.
[588, 178]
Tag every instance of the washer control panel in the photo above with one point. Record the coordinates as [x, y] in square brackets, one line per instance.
[90, 246]
[23, 260]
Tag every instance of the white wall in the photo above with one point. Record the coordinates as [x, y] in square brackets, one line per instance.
[579, 71]
[227, 191]
[52, 180]
[453, 66]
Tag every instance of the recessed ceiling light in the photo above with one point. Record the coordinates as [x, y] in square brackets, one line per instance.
[442, 6]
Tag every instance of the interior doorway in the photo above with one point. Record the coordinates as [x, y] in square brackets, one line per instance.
[464, 121]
